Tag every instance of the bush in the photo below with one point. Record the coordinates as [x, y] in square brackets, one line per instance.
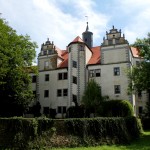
[104, 130]
[75, 112]
[117, 108]
[20, 131]
[146, 123]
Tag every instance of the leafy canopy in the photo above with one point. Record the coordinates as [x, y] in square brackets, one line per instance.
[92, 95]
[140, 75]
[16, 56]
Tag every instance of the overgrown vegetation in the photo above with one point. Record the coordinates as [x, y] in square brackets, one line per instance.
[117, 108]
[19, 132]
[140, 144]
[42, 132]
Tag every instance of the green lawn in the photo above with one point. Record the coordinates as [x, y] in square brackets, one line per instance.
[142, 144]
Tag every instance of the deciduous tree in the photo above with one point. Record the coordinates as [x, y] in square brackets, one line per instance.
[16, 55]
[140, 75]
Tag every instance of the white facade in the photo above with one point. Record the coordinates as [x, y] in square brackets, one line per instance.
[63, 75]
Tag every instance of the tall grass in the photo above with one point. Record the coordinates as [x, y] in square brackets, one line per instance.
[141, 144]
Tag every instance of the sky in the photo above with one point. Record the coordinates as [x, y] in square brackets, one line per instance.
[62, 20]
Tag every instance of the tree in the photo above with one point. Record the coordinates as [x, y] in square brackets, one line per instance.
[92, 98]
[16, 55]
[140, 75]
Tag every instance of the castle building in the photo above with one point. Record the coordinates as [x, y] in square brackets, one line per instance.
[63, 74]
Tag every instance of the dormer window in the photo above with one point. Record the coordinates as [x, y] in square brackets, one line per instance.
[46, 64]
[45, 52]
[81, 48]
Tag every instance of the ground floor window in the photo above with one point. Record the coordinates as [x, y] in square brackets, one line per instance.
[140, 109]
[45, 110]
[61, 109]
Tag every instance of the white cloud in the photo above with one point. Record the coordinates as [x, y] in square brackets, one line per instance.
[63, 20]
[137, 14]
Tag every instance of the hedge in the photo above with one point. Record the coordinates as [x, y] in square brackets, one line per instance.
[36, 133]
[117, 108]
[105, 130]
[17, 132]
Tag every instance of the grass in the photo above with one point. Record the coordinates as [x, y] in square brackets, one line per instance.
[141, 144]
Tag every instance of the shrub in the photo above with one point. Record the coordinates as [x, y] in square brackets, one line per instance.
[75, 112]
[117, 108]
[146, 123]
[104, 130]
[20, 131]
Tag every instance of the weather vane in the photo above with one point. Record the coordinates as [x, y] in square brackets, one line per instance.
[86, 18]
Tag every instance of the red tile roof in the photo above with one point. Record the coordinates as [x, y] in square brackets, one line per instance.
[77, 39]
[135, 52]
[95, 59]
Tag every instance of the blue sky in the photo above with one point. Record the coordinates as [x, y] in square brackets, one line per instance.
[62, 20]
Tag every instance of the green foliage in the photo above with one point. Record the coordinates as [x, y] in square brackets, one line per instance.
[21, 131]
[16, 55]
[117, 108]
[140, 74]
[145, 123]
[75, 112]
[97, 131]
[92, 97]
[40, 133]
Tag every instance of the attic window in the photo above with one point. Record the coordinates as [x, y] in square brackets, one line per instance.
[81, 48]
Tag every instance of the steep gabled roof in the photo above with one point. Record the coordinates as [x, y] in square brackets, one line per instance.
[77, 39]
[135, 52]
[95, 59]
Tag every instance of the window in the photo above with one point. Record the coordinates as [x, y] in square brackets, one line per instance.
[46, 77]
[91, 72]
[64, 109]
[139, 94]
[116, 71]
[74, 64]
[45, 52]
[62, 76]
[81, 48]
[140, 109]
[50, 52]
[69, 49]
[137, 63]
[97, 72]
[74, 80]
[45, 110]
[34, 94]
[61, 109]
[74, 97]
[117, 89]
[65, 75]
[46, 93]
[59, 92]
[46, 64]
[65, 92]
[34, 79]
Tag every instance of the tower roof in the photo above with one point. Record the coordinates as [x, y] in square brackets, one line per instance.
[78, 39]
[87, 28]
